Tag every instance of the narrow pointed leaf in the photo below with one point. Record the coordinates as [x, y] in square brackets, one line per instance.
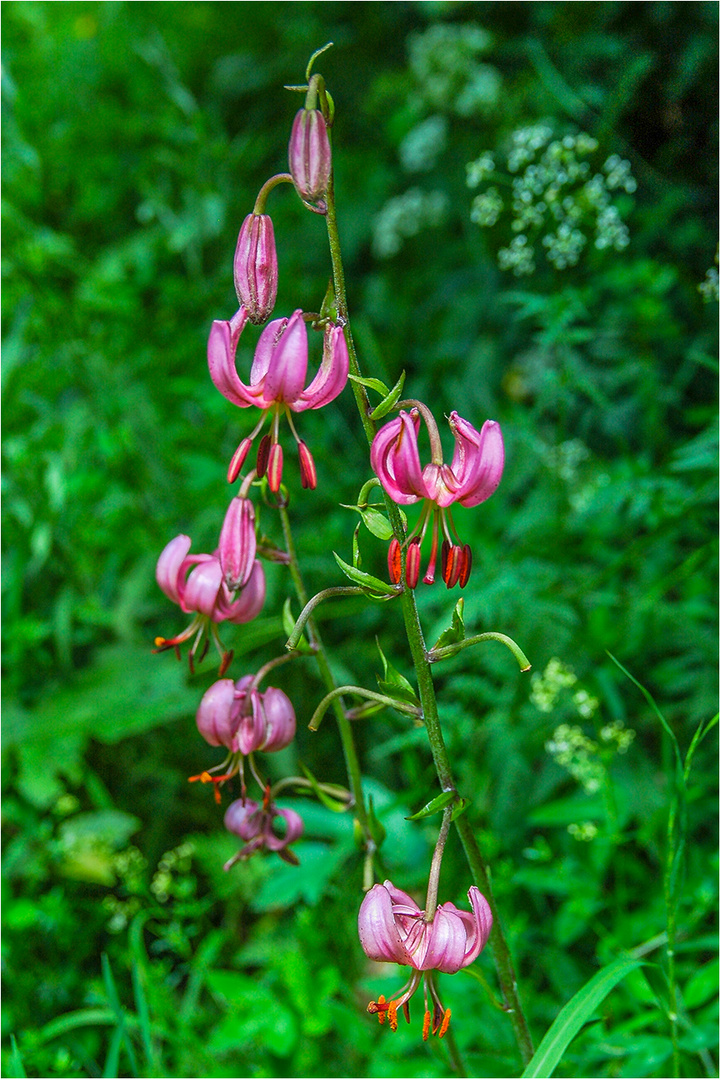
[575, 1014]
[360, 577]
[389, 400]
[440, 802]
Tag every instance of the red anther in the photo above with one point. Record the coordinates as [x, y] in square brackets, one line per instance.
[394, 566]
[308, 474]
[413, 562]
[407, 1012]
[426, 1025]
[237, 460]
[445, 552]
[263, 453]
[225, 662]
[275, 467]
[444, 1024]
[466, 564]
[452, 566]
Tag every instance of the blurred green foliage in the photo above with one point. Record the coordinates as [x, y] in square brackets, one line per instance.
[136, 137]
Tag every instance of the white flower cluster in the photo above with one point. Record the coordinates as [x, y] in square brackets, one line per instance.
[405, 216]
[553, 195]
[422, 145]
[709, 287]
[444, 60]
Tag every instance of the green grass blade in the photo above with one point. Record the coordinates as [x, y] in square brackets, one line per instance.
[661, 718]
[575, 1014]
[112, 1061]
[16, 1061]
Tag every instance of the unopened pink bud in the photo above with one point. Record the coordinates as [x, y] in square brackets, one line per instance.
[255, 267]
[309, 154]
[236, 547]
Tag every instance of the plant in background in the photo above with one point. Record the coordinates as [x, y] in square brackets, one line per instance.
[554, 197]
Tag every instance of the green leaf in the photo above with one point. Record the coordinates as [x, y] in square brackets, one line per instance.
[456, 631]
[702, 986]
[434, 806]
[393, 683]
[376, 523]
[16, 1061]
[575, 1014]
[389, 400]
[335, 805]
[372, 384]
[376, 828]
[360, 577]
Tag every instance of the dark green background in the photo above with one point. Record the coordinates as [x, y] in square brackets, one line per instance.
[136, 137]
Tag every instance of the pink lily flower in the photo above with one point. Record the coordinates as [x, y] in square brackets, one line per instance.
[254, 824]
[203, 593]
[276, 385]
[471, 478]
[393, 929]
[243, 719]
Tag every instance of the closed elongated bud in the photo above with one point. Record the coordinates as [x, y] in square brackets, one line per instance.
[309, 154]
[255, 267]
[236, 547]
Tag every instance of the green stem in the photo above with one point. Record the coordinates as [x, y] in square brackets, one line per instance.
[344, 726]
[499, 945]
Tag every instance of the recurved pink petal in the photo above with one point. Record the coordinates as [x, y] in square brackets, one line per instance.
[251, 729]
[283, 359]
[279, 720]
[383, 455]
[251, 600]
[169, 569]
[478, 460]
[447, 941]
[217, 715]
[202, 587]
[244, 819]
[332, 374]
[293, 829]
[377, 929]
[222, 344]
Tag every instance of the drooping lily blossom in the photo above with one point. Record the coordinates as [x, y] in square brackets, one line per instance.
[471, 478]
[256, 824]
[243, 719]
[393, 929]
[276, 385]
[203, 593]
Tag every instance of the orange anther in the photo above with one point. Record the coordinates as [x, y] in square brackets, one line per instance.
[393, 1016]
[426, 1025]
[159, 641]
[444, 1024]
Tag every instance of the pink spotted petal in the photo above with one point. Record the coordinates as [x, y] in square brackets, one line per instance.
[377, 929]
[222, 344]
[251, 730]
[392, 441]
[477, 461]
[251, 600]
[281, 360]
[217, 715]
[293, 829]
[279, 720]
[168, 572]
[202, 588]
[332, 374]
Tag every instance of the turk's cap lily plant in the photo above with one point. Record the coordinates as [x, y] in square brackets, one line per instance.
[393, 929]
[255, 824]
[195, 583]
[471, 478]
[276, 384]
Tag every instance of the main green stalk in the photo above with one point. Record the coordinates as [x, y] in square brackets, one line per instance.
[501, 951]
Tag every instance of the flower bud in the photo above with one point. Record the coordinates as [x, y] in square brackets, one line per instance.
[309, 154]
[236, 547]
[255, 267]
